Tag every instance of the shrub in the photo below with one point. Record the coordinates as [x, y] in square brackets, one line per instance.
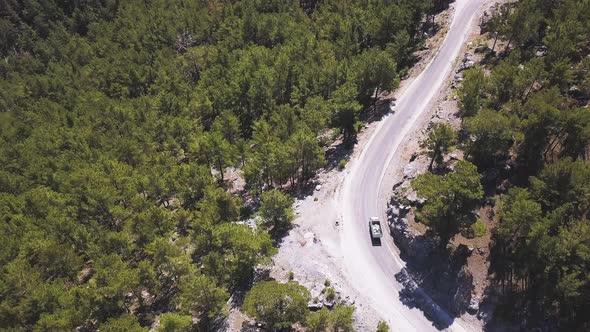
[278, 305]
[341, 318]
[276, 211]
[175, 322]
[330, 294]
[382, 327]
[335, 133]
[478, 228]
[327, 283]
[342, 164]
[318, 321]
[358, 126]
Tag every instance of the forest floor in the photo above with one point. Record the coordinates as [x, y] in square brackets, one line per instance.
[312, 250]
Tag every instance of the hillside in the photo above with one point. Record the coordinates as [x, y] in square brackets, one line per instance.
[120, 121]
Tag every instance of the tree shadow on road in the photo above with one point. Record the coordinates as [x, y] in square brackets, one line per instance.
[441, 288]
[376, 113]
[340, 150]
[435, 280]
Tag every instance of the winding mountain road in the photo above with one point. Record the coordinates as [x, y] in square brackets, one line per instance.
[371, 269]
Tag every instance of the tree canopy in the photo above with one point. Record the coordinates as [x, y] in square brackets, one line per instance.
[440, 139]
[277, 305]
[449, 199]
[527, 112]
[121, 120]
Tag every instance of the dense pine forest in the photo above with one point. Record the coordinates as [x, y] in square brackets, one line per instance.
[526, 116]
[119, 119]
[120, 122]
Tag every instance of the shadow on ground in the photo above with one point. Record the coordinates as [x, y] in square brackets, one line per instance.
[340, 150]
[375, 242]
[435, 280]
[376, 112]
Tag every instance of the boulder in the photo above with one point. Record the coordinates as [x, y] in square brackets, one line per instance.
[394, 211]
[315, 306]
[412, 197]
[410, 171]
[329, 304]
[419, 248]
[468, 64]
[473, 307]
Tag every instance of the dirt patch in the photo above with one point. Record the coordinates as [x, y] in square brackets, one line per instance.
[478, 263]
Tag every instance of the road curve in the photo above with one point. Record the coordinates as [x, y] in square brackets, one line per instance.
[369, 269]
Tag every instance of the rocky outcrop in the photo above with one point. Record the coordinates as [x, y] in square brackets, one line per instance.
[315, 305]
[473, 307]
[462, 296]
[410, 244]
[410, 171]
[440, 274]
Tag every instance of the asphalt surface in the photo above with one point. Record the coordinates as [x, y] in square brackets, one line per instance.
[371, 269]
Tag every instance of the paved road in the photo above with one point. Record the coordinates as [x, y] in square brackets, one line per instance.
[371, 269]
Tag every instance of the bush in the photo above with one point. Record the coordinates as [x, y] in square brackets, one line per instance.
[330, 294]
[125, 323]
[341, 318]
[335, 133]
[170, 322]
[318, 321]
[327, 283]
[358, 126]
[342, 164]
[478, 228]
[276, 211]
[277, 305]
[291, 275]
[382, 327]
